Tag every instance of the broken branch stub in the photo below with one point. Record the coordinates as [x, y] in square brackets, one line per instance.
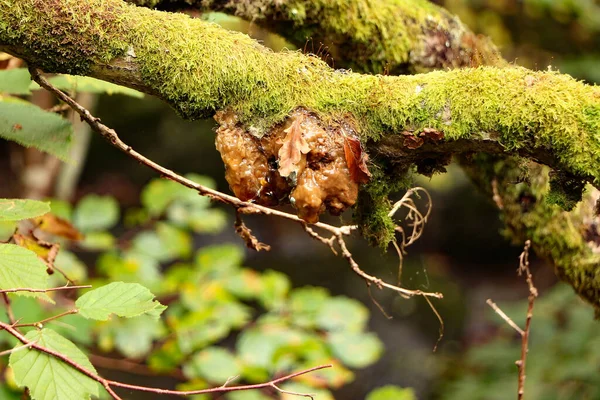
[301, 161]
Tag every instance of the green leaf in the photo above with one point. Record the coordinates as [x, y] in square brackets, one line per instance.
[91, 85]
[247, 395]
[258, 346]
[46, 376]
[356, 350]
[391, 392]
[30, 126]
[15, 81]
[21, 268]
[17, 209]
[220, 260]
[161, 193]
[275, 287]
[133, 337]
[305, 304]
[320, 394]
[94, 213]
[165, 244]
[123, 299]
[342, 313]
[214, 364]
[61, 209]
[98, 240]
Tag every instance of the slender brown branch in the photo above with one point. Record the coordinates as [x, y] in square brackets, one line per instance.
[108, 384]
[533, 294]
[505, 317]
[240, 206]
[44, 290]
[41, 323]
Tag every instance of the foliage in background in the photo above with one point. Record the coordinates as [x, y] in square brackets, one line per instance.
[211, 297]
[563, 360]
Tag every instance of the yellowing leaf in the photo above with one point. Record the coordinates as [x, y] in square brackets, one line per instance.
[50, 223]
[294, 145]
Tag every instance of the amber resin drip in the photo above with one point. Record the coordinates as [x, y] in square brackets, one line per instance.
[301, 161]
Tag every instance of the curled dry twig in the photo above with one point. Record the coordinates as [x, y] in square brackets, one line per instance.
[524, 333]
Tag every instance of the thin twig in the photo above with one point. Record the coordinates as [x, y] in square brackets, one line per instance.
[41, 323]
[108, 384]
[505, 317]
[15, 349]
[241, 206]
[44, 290]
[9, 312]
[533, 293]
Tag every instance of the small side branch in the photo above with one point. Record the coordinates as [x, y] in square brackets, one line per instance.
[533, 294]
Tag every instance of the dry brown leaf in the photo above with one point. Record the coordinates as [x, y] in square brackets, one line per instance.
[294, 145]
[411, 141]
[432, 134]
[356, 159]
[44, 250]
[50, 223]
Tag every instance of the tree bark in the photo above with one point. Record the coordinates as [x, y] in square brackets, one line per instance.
[406, 121]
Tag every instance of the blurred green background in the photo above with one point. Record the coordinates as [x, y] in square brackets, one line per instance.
[462, 253]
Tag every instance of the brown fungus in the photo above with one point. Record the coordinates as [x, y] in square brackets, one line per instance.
[308, 152]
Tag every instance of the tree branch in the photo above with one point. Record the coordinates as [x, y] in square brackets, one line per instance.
[375, 36]
[108, 384]
[544, 117]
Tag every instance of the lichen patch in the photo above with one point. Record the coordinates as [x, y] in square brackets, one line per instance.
[300, 161]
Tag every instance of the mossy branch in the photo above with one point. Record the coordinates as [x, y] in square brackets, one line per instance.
[374, 36]
[200, 68]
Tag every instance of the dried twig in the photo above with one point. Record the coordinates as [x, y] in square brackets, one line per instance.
[44, 290]
[109, 384]
[533, 293]
[241, 206]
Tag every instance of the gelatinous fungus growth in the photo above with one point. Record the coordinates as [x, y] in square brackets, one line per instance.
[302, 161]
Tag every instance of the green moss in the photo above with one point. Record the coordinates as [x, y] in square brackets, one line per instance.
[374, 36]
[373, 205]
[555, 234]
[68, 35]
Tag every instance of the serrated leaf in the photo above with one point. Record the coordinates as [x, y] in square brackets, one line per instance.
[15, 81]
[86, 84]
[356, 350]
[47, 377]
[214, 364]
[17, 209]
[95, 213]
[30, 126]
[21, 268]
[123, 299]
[391, 392]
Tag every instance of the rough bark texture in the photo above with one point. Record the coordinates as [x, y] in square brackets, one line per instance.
[199, 69]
